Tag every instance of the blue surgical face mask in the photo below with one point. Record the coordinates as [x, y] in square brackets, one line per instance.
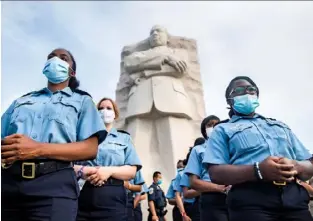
[159, 182]
[56, 70]
[246, 104]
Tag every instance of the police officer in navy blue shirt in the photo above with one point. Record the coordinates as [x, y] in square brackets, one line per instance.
[41, 134]
[261, 158]
[156, 199]
[103, 196]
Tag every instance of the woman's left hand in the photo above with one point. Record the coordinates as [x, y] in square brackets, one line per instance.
[101, 176]
[18, 147]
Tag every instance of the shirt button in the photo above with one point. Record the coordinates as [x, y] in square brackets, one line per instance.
[34, 136]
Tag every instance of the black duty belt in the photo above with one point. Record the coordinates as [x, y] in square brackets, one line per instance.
[114, 182]
[34, 169]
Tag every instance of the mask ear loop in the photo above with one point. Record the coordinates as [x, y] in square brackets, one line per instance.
[73, 72]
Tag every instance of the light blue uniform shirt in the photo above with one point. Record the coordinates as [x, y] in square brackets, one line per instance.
[138, 180]
[178, 188]
[116, 150]
[246, 140]
[144, 189]
[64, 116]
[170, 192]
[195, 165]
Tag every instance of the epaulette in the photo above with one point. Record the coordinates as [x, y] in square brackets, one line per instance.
[29, 93]
[271, 119]
[81, 92]
[123, 131]
[221, 122]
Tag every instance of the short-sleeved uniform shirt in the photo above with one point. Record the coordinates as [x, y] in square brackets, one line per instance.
[246, 140]
[170, 192]
[177, 185]
[116, 150]
[138, 180]
[195, 163]
[156, 195]
[64, 116]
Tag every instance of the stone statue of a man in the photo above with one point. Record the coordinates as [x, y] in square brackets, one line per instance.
[159, 110]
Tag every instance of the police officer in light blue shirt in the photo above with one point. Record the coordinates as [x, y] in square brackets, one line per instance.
[139, 197]
[191, 208]
[260, 157]
[170, 195]
[103, 196]
[213, 198]
[41, 134]
[133, 186]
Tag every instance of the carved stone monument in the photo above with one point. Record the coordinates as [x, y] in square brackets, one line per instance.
[160, 97]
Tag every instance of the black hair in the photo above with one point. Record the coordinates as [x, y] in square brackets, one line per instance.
[205, 122]
[199, 141]
[230, 87]
[156, 173]
[73, 82]
[185, 161]
[179, 161]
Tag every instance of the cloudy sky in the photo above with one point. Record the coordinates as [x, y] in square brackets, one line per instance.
[272, 42]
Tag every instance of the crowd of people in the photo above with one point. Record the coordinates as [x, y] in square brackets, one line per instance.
[62, 159]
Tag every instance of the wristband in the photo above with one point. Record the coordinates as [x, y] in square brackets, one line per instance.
[80, 172]
[257, 171]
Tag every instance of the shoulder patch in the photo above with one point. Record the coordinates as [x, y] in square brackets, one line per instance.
[151, 190]
[81, 92]
[123, 131]
[221, 122]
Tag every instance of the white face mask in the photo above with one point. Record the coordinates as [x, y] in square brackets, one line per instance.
[209, 131]
[107, 115]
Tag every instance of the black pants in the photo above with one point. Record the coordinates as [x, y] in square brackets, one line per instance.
[176, 214]
[192, 210]
[138, 213]
[268, 202]
[50, 197]
[106, 203]
[130, 208]
[213, 207]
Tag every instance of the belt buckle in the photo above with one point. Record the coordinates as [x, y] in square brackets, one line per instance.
[279, 183]
[32, 166]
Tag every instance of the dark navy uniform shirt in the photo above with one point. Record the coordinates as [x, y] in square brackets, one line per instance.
[156, 195]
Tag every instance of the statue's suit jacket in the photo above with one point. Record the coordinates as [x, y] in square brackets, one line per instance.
[160, 84]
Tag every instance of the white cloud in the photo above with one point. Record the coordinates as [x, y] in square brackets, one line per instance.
[269, 41]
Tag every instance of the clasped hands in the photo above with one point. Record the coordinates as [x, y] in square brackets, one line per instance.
[279, 169]
[97, 176]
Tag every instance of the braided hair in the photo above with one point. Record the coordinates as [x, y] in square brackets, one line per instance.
[230, 87]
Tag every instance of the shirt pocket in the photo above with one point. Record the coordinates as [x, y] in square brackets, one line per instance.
[117, 148]
[280, 132]
[244, 137]
[65, 112]
[21, 111]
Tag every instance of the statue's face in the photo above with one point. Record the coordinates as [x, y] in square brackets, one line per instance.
[158, 36]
